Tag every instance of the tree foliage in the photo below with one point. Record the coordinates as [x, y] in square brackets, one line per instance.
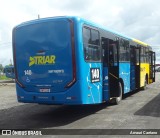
[1, 67]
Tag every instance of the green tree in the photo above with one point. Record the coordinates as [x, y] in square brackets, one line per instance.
[1, 67]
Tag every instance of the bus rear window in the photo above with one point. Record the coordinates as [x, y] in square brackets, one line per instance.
[91, 45]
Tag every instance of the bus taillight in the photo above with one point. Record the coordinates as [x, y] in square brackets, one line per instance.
[14, 57]
[73, 55]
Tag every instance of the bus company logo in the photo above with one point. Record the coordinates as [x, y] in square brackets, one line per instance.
[42, 60]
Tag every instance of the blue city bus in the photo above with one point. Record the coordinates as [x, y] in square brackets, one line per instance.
[69, 60]
[9, 72]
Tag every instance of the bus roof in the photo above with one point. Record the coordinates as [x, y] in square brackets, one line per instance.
[79, 19]
[140, 42]
[114, 32]
[103, 27]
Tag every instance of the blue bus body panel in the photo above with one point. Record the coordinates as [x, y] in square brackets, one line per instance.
[124, 73]
[70, 96]
[44, 55]
[91, 92]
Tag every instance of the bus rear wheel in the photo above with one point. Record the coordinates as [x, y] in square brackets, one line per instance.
[117, 100]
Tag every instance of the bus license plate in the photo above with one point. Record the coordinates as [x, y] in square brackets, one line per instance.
[45, 90]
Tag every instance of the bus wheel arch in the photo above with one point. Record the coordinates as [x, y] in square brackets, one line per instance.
[122, 83]
[117, 100]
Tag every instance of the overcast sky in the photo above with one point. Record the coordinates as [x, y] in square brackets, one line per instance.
[136, 18]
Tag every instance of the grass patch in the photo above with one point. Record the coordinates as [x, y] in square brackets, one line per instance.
[3, 77]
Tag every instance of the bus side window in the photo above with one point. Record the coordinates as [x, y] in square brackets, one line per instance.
[91, 43]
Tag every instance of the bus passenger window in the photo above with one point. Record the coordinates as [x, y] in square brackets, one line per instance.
[86, 35]
[95, 37]
[113, 53]
[92, 51]
[124, 53]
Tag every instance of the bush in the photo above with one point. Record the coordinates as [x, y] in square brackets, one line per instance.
[3, 77]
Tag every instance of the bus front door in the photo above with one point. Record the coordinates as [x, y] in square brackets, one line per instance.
[137, 69]
[110, 68]
[113, 69]
[132, 68]
[105, 42]
[152, 59]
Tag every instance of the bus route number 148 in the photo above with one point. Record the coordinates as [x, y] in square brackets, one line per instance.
[28, 72]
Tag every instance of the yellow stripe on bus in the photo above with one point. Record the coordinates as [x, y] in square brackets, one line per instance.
[140, 42]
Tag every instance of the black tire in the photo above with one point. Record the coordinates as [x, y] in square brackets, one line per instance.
[117, 100]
